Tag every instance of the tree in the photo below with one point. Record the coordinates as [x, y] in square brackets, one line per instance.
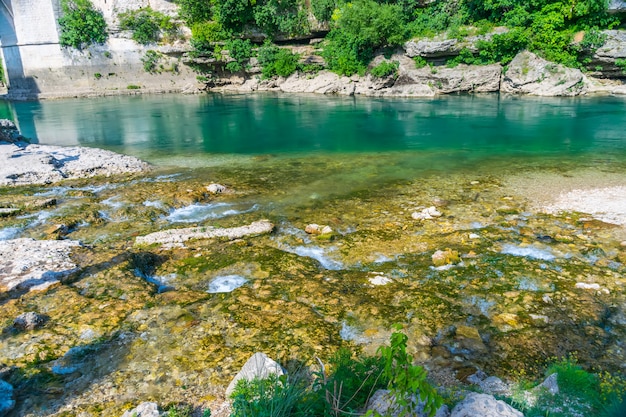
[81, 24]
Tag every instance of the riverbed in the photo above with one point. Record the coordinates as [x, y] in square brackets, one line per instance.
[526, 203]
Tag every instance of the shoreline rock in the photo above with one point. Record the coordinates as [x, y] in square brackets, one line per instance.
[29, 164]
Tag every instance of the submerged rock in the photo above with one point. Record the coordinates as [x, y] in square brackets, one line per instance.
[215, 188]
[483, 405]
[29, 321]
[259, 366]
[178, 236]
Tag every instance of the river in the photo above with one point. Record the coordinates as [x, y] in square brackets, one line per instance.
[491, 281]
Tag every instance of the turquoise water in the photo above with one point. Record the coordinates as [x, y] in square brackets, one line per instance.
[154, 127]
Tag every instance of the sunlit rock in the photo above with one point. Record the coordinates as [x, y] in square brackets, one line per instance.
[143, 410]
[445, 257]
[483, 405]
[259, 366]
[215, 188]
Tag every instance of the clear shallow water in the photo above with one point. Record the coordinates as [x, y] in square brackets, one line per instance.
[175, 128]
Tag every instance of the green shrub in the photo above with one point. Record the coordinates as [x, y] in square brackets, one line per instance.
[360, 28]
[349, 386]
[323, 9]
[2, 79]
[150, 61]
[271, 397]
[132, 87]
[621, 63]
[97, 75]
[281, 16]
[240, 51]
[81, 24]
[385, 69]
[419, 62]
[147, 25]
[277, 61]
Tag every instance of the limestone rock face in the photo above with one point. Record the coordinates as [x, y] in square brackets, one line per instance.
[603, 59]
[617, 6]
[258, 366]
[34, 264]
[530, 74]
[483, 405]
[428, 48]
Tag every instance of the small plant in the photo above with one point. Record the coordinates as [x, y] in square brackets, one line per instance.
[150, 61]
[407, 382]
[81, 24]
[419, 62]
[179, 411]
[2, 80]
[97, 75]
[621, 63]
[133, 87]
[107, 54]
[275, 396]
[385, 69]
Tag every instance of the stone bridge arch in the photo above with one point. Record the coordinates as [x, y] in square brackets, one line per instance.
[7, 35]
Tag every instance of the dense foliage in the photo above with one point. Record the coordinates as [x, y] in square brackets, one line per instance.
[148, 25]
[81, 24]
[361, 28]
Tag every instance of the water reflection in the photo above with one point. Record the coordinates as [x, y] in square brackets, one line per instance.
[271, 123]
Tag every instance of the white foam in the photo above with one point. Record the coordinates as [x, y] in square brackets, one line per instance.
[226, 283]
[528, 252]
[154, 203]
[351, 334]
[319, 254]
[113, 202]
[200, 212]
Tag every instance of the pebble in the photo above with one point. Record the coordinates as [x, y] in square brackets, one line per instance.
[215, 188]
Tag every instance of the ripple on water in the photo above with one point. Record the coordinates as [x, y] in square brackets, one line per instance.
[351, 334]
[200, 212]
[9, 233]
[319, 254]
[226, 283]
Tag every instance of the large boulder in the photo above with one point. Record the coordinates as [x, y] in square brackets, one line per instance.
[483, 405]
[443, 47]
[530, 74]
[259, 366]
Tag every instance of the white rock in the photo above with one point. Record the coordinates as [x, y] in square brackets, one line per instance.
[259, 366]
[380, 280]
[41, 164]
[28, 262]
[585, 286]
[483, 405]
[178, 236]
[143, 410]
[474, 236]
[215, 188]
[384, 403]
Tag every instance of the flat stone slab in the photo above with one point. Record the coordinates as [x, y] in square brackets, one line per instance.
[24, 164]
[31, 264]
[177, 237]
